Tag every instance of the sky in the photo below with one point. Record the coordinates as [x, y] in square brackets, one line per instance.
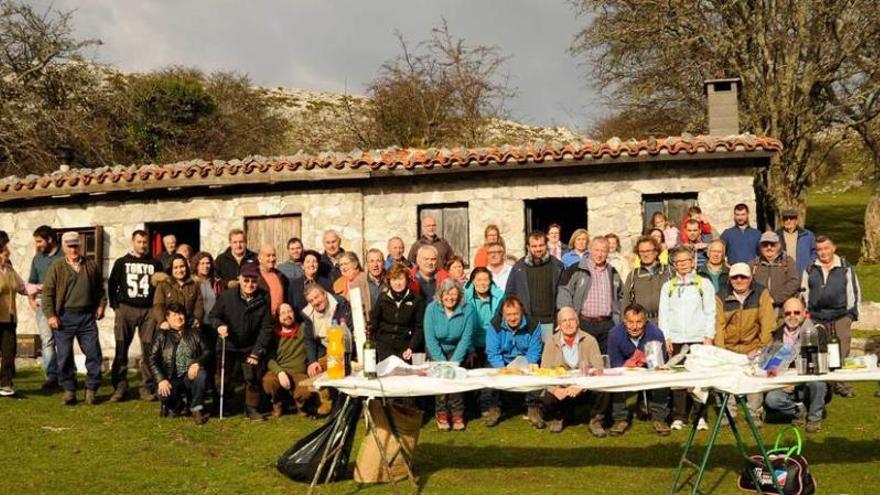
[338, 45]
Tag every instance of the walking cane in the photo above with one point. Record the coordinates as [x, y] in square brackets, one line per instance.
[222, 374]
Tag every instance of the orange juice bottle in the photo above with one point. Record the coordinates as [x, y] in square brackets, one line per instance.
[335, 352]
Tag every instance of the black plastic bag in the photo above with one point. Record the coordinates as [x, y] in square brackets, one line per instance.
[300, 462]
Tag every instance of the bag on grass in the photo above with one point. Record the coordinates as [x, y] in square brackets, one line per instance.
[407, 422]
[300, 462]
[791, 468]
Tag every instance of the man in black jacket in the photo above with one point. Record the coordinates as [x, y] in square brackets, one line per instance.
[178, 362]
[229, 261]
[242, 318]
[535, 281]
[131, 297]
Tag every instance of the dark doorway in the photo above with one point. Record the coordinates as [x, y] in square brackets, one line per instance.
[186, 232]
[569, 213]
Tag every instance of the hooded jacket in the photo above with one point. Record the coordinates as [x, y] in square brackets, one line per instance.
[188, 295]
[504, 344]
[397, 323]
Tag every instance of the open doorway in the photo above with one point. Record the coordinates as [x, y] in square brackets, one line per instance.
[186, 232]
[569, 213]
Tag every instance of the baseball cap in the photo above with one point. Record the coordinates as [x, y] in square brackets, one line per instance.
[70, 239]
[250, 270]
[740, 270]
[770, 237]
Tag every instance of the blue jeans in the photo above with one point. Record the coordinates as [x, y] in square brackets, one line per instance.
[784, 402]
[82, 327]
[47, 344]
[193, 390]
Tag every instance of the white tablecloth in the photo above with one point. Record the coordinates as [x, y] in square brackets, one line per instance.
[622, 381]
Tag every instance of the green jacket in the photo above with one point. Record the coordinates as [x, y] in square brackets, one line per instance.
[59, 280]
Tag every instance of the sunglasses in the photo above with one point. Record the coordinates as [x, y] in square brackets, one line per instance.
[793, 313]
[739, 277]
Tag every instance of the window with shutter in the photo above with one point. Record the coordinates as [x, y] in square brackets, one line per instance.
[274, 230]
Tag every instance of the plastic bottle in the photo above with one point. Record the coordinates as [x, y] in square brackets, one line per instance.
[335, 352]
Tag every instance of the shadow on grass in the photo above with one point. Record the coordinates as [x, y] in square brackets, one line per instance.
[432, 458]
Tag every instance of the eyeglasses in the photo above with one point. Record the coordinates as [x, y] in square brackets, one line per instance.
[793, 313]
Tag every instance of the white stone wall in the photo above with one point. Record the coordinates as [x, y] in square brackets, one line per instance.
[389, 208]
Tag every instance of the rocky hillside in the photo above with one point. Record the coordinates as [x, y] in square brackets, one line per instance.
[321, 121]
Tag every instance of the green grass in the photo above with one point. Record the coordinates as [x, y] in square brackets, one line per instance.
[842, 217]
[126, 448]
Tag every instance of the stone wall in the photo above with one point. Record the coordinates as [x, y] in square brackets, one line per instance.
[368, 215]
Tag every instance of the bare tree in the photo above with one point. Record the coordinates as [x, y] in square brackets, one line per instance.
[443, 91]
[806, 66]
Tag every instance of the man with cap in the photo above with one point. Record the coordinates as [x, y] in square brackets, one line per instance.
[744, 322]
[243, 319]
[775, 270]
[73, 302]
[742, 239]
[797, 242]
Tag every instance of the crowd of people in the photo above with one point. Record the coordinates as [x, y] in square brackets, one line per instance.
[246, 320]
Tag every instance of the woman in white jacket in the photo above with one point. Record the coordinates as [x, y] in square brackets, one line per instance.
[686, 316]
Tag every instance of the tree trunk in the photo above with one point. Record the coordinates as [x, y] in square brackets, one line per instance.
[871, 241]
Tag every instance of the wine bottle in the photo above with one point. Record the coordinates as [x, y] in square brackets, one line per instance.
[834, 359]
[370, 359]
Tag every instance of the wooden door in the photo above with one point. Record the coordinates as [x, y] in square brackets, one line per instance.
[274, 230]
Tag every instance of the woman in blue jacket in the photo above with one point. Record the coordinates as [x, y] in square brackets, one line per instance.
[449, 326]
[485, 297]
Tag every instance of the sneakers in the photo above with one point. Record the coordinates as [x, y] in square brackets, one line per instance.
[458, 422]
[90, 398]
[119, 393]
[493, 416]
[618, 428]
[69, 398]
[535, 418]
[596, 428]
[814, 426]
[442, 420]
[677, 425]
[702, 425]
[199, 418]
[7, 391]
[661, 428]
[556, 426]
[277, 409]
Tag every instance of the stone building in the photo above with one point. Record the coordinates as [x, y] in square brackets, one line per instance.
[611, 186]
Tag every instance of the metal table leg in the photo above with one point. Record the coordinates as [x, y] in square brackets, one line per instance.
[331, 451]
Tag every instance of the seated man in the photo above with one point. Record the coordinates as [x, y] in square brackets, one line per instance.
[573, 349]
[790, 400]
[287, 364]
[623, 341]
[322, 312]
[512, 334]
[178, 362]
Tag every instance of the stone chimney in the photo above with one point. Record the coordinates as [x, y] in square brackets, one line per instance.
[722, 97]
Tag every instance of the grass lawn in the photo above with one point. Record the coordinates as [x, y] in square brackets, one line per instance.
[126, 448]
[842, 217]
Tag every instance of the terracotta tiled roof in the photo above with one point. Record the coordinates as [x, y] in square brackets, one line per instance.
[83, 180]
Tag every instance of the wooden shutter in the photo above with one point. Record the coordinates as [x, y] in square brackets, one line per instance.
[275, 230]
[452, 225]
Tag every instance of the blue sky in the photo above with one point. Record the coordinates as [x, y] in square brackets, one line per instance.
[332, 45]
